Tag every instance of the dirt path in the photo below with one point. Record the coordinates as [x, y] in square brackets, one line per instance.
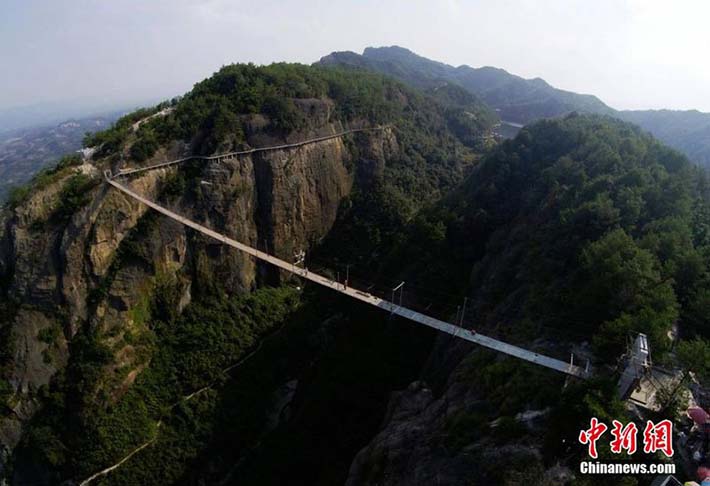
[185, 398]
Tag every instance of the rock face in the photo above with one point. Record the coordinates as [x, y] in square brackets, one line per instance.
[101, 267]
[429, 438]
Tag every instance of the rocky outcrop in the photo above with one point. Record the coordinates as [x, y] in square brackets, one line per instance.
[40, 350]
[440, 438]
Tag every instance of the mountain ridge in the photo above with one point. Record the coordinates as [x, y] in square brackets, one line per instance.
[499, 88]
[522, 101]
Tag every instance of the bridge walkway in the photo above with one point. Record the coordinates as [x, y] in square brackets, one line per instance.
[468, 335]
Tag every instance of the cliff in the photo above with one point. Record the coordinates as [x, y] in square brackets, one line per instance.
[283, 201]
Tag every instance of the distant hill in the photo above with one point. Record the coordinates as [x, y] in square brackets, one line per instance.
[24, 152]
[515, 99]
[687, 131]
[520, 101]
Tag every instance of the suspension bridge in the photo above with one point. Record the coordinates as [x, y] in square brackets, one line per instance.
[568, 368]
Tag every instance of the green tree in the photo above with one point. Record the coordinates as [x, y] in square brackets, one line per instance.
[625, 289]
[694, 355]
[145, 146]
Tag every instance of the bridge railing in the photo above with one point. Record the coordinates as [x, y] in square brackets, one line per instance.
[398, 308]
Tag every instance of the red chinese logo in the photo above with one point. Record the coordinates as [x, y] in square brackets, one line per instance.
[590, 436]
[656, 437]
[624, 437]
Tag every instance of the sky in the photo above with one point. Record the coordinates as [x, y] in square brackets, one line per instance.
[83, 54]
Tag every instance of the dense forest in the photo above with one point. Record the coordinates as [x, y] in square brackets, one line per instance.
[595, 223]
[215, 113]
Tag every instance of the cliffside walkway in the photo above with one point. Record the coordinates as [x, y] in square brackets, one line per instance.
[456, 331]
[122, 172]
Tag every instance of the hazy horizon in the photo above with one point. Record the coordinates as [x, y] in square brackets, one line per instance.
[634, 54]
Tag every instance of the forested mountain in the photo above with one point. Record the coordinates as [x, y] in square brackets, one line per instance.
[582, 214]
[515, 99]
[581, 229]
[688, 131]
[126, 334]
[522, 101]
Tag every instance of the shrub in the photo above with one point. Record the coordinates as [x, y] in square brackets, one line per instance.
[74, 195]
[49, 335]
[145, 146]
